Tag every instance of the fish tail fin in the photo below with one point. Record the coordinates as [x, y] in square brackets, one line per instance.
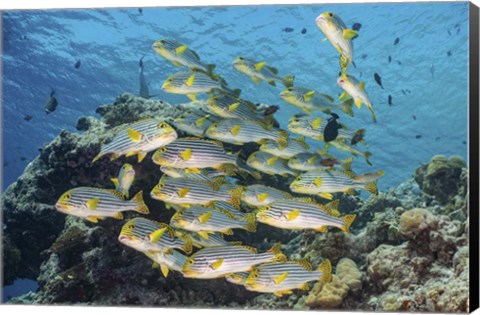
[210, 68]
[282, 139]
[368, 154]
[348, 220]
[187, 243]
[344, 62]
[347, 164]
[326, 269]
[235, 194]
[372, 188]
[288, 81]
[370, 108]
[251, 222]
[141, 206]
[277, 252]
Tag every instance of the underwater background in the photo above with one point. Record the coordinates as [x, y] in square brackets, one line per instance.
[420, 51]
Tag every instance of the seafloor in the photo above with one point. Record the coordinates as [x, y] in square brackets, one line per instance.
[407, 251]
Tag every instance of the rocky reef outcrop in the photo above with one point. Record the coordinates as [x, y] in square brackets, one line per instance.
[407, 250]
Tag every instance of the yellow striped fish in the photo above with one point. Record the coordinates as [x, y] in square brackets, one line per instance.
[192, 83]
[139, 138]
[325, 182]
[216, 262]
[294, 146]
[205, 174]
[167, 261]
[96, 203]
[260, 195]
[213, 240]
[355, 89]
[185, 192]
[259, 71]
[237, 278]
[180, 55]
[194, 123]
[147, 235]
[299, 214]
[240, 131]
[194, 154]
[269, 164]
[227, 106]
[205, 220]
[282, 277]
[125, 178]
[305, 161]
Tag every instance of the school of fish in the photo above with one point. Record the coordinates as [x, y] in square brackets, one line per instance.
[213, 189]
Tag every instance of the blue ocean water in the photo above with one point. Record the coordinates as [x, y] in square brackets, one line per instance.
[427, 76]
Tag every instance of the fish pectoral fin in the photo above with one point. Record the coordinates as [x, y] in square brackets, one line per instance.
[155, 265]
[181, 50]
[217, 264]
[186, 155]
[190, 80]
[141, 156]
[182, 192]
[235, 130]
[280, 278]
[344, 96]
[260, 65]
[203, 234]
[262, 197]
[118, 215]
[322, 229]
[272, 160]
[349, 34]
[130, 153]
[316, 123]
[358, 102]
[318, 182]
[92, 203]
[134, 135]
[233, 106]
[164, 269]
[92, 219]
[292, 215]
[308, 96]
[155, 236]
[204, 218]
[324, 40]
[192, 96]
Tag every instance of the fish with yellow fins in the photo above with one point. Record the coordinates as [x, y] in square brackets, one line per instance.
[281, 278]
[339, 35]
[190, 83]
[356, 90]
[180, 55]
[125, 178]
[259, 71]
[170, 260]
[326, 182]
[206, 221]
[93, 204]
[147, 235]
[139, 138]
[310, 100]
[303, 213]
[194, 123]
[294, 147]
[216, 262]
[269, 164]
[260, 195]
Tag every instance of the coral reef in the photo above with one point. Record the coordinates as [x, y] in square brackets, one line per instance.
[407, 250]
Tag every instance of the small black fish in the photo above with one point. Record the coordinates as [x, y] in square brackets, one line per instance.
[271, 109]
[390, 101]
[330, 132]
[364, 56]
[288, 30]
[432, 70]
[358, 136]
[397, 40]
[5, 164]
[356, 26]
[354, 65]
[24, 37]
[28, 117]
[51, 103]
[22, 158]
[437, 138]
[378, 80]
[78, 64]
[418, 136]
[449, 53]
[408, 91]
[140, 10]
[414, 117]
[304, 30]
[457, 25]
[399, 63]
[464, 142]
[458, 30]
[403, 91]
[389, 59]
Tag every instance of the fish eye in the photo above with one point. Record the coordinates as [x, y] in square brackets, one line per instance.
[161, 185]
[268, 207]
[215, 125]
[131, 226]
[330, 14]
[170, 80]
[162, 41]
[298, 178]
[163, 149]
[290, 89]
[68, 196]
[191, 260]
[163, 125]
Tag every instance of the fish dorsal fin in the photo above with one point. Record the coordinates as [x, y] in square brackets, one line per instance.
[249, 248]
[92, 203]
[344, 96]
[227, 213]
[308, 96]
[312, 160]
[235, 130]
[170, 230]
[195, 54]
[200, 121]
[316, 123]
[204, 218]
[260, 65]
[272, 160]
[262, 197]
[305, 263]
[181, 49]
[217, 264]
[116, 193]
[279, 279]
[274, 70]
[349, 34]
[328, 97]
[292, 215]
[182, 192]
[186, 155]
[134, 135]
[234, 106]
[203, 234]
[361, 85]
[155, 236]
[190, 80]
[115, 181]
[164, 269]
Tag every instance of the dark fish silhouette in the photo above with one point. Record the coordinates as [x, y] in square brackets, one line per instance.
[287, 29]
[304, 30]
[449, 53]
[329, 162]
[356, 26]
[51, 103]
[403, 91]
[22, 158]
[358, 136]
[437, 138]
[354, 65]
[432, 70]
[378, 79]
[464, 142]
[78, 64]
[140, 10]
[330, 132]
[143, 83]
[24, 37]
[389, 59]
[364, 56]
[418, 136]
[397, 40]
[390, 101]
[399, 63]
[408, 91]
[414, 117]
[28, 117]
[458, 30]
[271, 109]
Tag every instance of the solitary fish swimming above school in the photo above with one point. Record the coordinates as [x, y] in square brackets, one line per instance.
[355, 89]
